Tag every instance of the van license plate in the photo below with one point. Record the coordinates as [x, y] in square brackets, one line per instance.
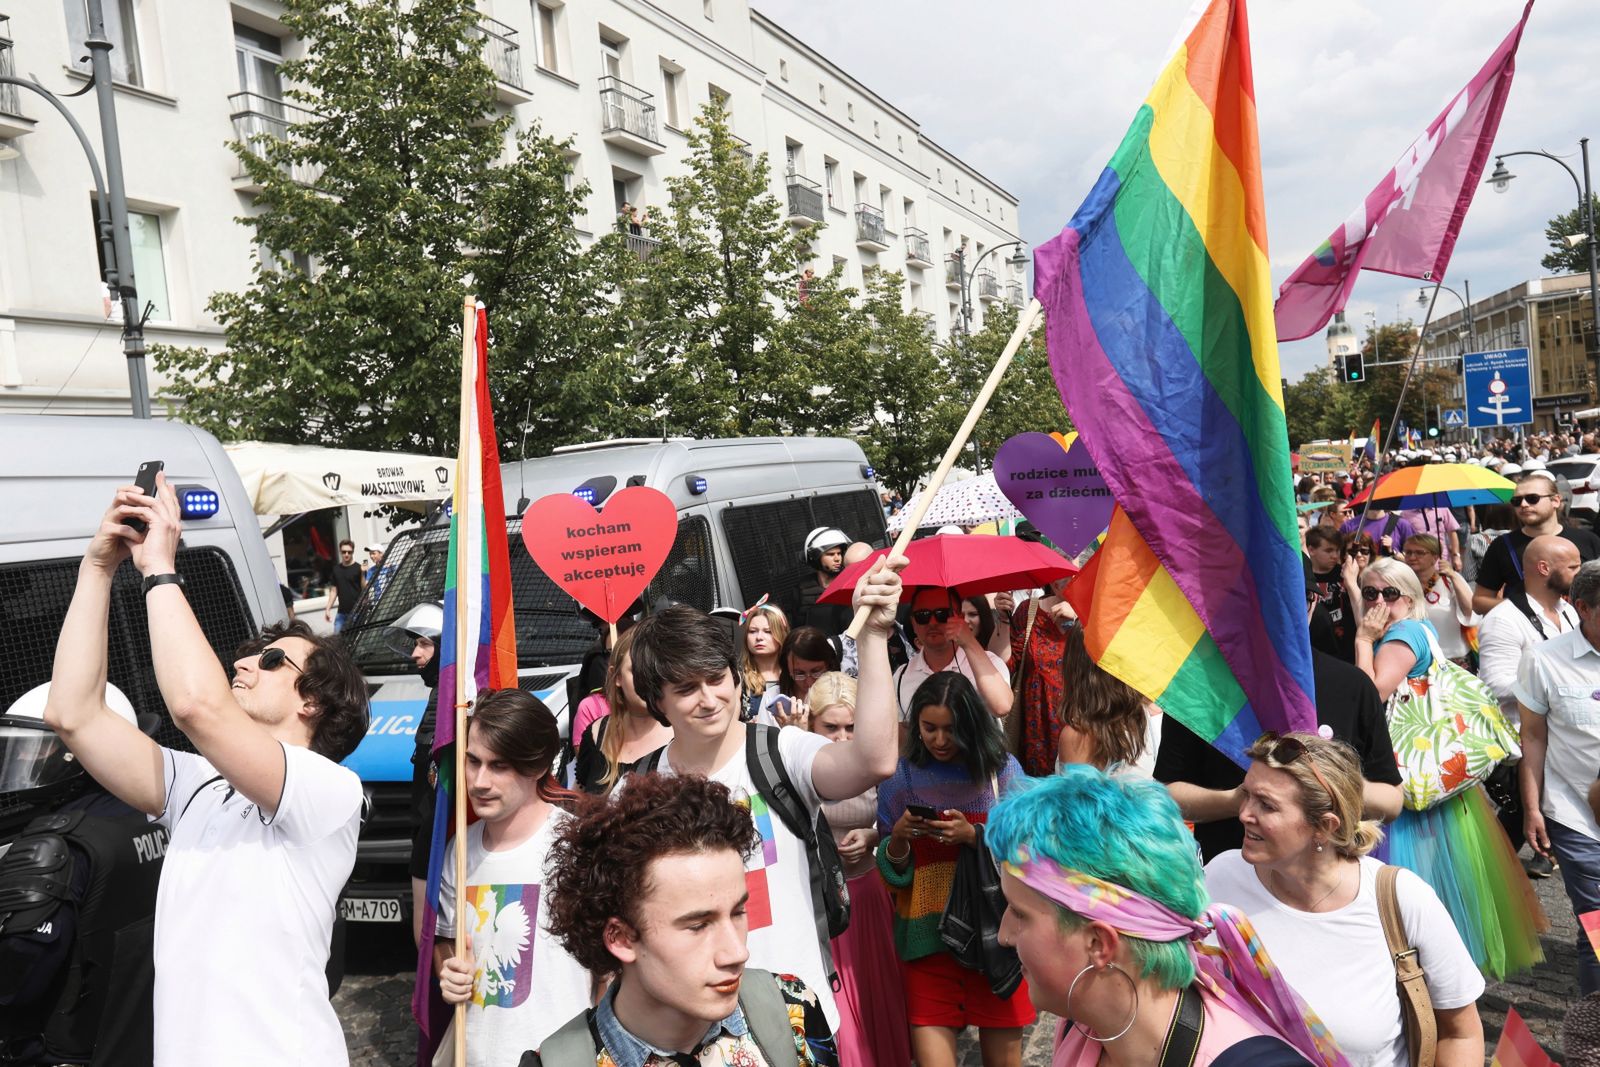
[369, 909]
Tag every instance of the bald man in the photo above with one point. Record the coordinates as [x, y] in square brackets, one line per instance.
[1527, 617]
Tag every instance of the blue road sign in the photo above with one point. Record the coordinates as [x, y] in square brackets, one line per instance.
[1453, 418]
[1499, 392]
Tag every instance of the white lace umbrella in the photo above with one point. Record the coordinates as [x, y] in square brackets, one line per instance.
[966, 503]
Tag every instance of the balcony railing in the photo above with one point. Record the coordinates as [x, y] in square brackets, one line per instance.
[500, 50]
[258, 118]
[626, 109]
[741, 148]
[988, 285]
[805, 198]
[10, 96]
[917, 250]
[642, 246]
[953, 276]
[1014, 294]
[870, 229]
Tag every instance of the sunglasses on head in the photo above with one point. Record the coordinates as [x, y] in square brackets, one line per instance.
[1286, 750]
[922, 616]
[1390, 594]
[1529, 499]
[275, 657]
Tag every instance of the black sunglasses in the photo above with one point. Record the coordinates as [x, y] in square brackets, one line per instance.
[275, 657]
[922, 616]
[1286, 750]
[1390, 594]
[1530, 499]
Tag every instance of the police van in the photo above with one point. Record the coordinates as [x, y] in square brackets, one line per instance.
[744, 508]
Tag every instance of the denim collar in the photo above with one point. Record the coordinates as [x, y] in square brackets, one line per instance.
[629, 1051]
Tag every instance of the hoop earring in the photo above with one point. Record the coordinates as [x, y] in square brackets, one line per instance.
[1132, 1017]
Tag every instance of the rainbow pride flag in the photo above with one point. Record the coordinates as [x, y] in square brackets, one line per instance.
[1163, 345]
[478, 648]
[1517, 1047]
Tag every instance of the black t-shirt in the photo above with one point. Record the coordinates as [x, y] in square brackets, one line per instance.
[1347, 703]
[1501, 568]
[1335, 601]
[347, 585]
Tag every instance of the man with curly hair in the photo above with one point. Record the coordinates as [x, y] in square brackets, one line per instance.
[650, 888]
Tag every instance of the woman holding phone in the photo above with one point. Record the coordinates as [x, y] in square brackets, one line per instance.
[954, 769]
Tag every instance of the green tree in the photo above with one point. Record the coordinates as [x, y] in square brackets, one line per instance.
[392, 193]
[1566, 258]
[1026, 400]
[1319, 407]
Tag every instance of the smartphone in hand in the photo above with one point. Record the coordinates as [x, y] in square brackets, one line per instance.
[145, 480]
[923, 811]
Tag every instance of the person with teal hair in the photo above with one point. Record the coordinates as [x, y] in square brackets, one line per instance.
[1106, 907]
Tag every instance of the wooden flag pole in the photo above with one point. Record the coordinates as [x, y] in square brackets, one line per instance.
[1025, 324]
[465, 660]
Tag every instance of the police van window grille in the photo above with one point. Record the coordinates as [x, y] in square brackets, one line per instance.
[858, 513]
[766, 543]
[689, 576]
[33, 601]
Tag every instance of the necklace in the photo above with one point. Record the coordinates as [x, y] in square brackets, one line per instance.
[1318, 902]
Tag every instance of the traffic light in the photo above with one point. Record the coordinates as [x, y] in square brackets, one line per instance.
[1433, 426]
[1353, 370]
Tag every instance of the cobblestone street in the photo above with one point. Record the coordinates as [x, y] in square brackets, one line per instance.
[375, 1001]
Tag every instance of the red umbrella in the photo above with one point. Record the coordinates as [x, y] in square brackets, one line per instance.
[968, 563]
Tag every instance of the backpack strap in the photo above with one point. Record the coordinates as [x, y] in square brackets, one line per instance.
[576, 1044]
[771, 778]
[766, 1013]
[1422, 1032]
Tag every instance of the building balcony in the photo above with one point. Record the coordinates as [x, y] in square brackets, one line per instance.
[12, 121]
[805, 199]
[504, 56]
[917, 251]
[742, 148]
[929, 325]
[954, 277]
[258, 119]
[1014, 295]
[871, 234]
[628, 118]
[988, 286]
[642, 246]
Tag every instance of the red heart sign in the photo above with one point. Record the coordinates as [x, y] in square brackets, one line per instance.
[603, 559]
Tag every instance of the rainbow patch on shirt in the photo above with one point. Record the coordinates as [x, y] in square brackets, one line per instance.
[503, 918]
[758, 911]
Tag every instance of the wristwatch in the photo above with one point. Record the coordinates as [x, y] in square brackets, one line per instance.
[153, 580]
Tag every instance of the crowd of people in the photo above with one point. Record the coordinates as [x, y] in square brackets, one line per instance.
[768, 842]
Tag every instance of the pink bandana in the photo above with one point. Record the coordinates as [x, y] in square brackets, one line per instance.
[1239, 975]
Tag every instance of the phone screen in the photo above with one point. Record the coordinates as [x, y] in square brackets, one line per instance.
[923, 811]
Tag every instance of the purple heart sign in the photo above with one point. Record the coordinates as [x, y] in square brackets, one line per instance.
[1060, 492]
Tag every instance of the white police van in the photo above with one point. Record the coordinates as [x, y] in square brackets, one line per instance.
[744, 507]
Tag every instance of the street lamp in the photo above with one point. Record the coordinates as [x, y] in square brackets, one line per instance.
[111, 199]
[1501, 180]
[1018, 260]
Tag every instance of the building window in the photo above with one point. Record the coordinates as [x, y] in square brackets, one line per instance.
[842, 265]
[908, 212]
[671, 95]
[258, 55]
[611, 57]
[958, 186]
[986, 205]
[122, 27]
[822, 93]
[900, 143]
[850, 110]
[938, 175]
[830, 180]
[275, 261]
[876, 132]
[149, 262]
[551, 26]
[783, 69]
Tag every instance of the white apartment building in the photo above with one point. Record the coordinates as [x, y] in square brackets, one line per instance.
[622, 78]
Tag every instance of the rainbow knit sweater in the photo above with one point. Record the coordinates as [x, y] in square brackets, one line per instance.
[921, 889]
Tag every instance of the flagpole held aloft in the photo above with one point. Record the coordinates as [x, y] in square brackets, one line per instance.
[1025, 324]
[463, 678]
[1411, 368]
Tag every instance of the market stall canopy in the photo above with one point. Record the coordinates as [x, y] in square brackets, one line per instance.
[290, 479]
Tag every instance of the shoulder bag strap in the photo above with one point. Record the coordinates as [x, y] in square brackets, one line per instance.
[767, 1015]
[1183, 1035]
[650, 762]
[576, 1044]
[1027, 635]
[1422, 1032]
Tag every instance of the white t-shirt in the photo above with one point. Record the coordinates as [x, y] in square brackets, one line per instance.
[1560, 680]
[917, 671]
[1339, 961]
[783, 927]
[1448, 617]
[244, 914]
[526, 986]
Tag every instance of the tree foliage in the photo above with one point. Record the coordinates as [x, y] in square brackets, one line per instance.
[1320, 407]
[1565, 258]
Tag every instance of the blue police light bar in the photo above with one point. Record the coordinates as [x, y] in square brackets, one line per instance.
[198, 502]
[868, 472]
[696, 484]
[585, 493]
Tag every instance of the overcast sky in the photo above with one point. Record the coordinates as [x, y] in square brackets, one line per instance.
[1037, 95]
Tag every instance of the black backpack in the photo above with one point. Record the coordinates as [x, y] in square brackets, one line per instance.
[830, 893]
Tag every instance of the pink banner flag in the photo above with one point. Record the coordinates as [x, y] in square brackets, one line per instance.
[1409, 223]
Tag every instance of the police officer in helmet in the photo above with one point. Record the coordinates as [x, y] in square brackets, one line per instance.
[824, 554]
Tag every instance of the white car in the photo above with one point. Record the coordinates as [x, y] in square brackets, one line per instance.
[1582, 475]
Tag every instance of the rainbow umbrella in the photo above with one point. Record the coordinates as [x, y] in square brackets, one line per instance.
[1448, 485]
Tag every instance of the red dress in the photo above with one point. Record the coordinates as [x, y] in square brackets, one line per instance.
[1040, 694]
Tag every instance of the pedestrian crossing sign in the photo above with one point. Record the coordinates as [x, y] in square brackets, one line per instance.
[1453, 418]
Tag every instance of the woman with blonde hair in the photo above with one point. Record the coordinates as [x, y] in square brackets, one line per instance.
[1446, 595]
[762, 631]
[1305, 880]
[1105, 723]
[1457, 845]
[613, 743]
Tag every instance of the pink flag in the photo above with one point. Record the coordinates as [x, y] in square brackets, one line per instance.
[1408, 224]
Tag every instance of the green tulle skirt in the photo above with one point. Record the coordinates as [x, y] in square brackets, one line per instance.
[1460, 849]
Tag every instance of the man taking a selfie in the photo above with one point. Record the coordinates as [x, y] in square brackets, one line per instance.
[262, 819]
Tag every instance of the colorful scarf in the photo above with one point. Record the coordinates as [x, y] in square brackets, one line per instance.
[1238, 975]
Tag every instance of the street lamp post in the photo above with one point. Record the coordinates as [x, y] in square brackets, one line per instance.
[1019, 259]
[111, 199]
[1501, 180]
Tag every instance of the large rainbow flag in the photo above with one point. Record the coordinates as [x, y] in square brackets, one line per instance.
[478, 648]
[1162, 341]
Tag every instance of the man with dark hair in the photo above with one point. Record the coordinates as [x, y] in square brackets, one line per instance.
[683, 670]
[824, 550]
[346, 587]
[263, 820]
[652, 888]
[1538, 506]
[946, 643]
